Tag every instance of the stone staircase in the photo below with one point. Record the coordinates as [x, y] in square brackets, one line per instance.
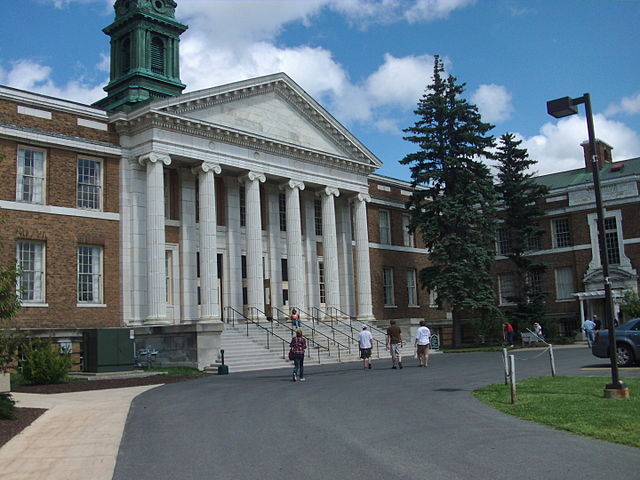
[250, 352]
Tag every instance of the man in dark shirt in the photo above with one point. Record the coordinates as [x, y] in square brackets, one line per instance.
[394, 343]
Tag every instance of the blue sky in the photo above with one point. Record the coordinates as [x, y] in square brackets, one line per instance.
[368, 62]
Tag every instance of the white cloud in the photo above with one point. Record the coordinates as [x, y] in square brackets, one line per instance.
[34, 77]
[628, 105]
[429, 10]
[400, 81]
[557, 147]
[493, 102]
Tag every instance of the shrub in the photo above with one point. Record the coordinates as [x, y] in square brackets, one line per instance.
[6, 407]
[43, 363]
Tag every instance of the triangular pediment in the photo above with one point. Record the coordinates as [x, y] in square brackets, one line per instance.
[273, 108]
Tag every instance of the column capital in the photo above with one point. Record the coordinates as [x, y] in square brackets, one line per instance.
[293, 184]
[153, 157]
[330, 191]
[363, 197]
[206, 167]
[253, 177]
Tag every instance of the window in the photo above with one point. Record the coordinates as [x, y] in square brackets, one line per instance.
[533, 241]
[564, 283]
[507, 288]
[387, 286]
[408, 239]
[503, 241]
[157, 55]
[243, 206]
[89, 274]
[412, 291]
[89, 184]
[282, 207]
[317, 210]
[323, 292]
[284, 266]
[534, 283]
[243, 266]
[168, 262]
[31, 281]
[561, 236]
[385, 227]
[611, 240]
[31, 179]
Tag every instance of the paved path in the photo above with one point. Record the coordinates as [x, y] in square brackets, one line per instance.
[76, 439]
[346, 423]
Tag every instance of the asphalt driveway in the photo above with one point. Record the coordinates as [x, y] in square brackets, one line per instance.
[349, 423]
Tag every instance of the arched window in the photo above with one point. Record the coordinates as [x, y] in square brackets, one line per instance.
[125, 56]
[157, 55]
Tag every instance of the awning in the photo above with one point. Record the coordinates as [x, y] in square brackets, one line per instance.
[596, 294]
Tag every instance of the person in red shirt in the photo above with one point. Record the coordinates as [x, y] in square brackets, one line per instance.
[298, 345]
[509, 334]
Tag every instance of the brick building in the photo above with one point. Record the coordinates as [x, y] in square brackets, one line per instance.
[573, 280]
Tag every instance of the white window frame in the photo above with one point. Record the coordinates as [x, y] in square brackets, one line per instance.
[99, 185]
[506, 287]
[554, 229]
[282, 211]
[38, 270]
[39, 178]
[408, 237]
[385, 226]
[388, 293]
[412, 288]
[96, 281]
[562, 292]
[317, 216]
[321, 283]
[168, 263]
[503, 241]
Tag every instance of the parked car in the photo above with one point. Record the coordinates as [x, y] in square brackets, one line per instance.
[627, 343]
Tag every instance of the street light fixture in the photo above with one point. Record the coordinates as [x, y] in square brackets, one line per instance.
[563, 107]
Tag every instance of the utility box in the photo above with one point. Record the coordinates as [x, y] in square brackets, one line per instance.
[108, 350]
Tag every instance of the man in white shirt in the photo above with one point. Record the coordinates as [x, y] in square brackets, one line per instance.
[589, 326]
[365, 342]
[423, 339]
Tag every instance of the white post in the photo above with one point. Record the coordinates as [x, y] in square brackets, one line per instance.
[512, 377]
[363, 268]
[552, 360]
[505, 364]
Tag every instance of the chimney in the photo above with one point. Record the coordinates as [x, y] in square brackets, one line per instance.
[603, 151]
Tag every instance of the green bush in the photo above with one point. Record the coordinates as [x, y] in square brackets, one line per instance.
[6, 407]
[43, 363]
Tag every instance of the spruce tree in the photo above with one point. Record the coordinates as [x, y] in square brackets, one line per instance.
[453, 207]
[520, 231]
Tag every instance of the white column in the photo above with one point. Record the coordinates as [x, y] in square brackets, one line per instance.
[209, 299]
[330, 248]
[232, 265]
[188, 246]
[363, 269]
[255, 278]
[295, 259]
[345, 255]
[311, 250]
[156, 268]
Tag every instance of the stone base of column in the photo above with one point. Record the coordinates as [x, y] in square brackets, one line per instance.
[162, 321]
[368, 319]
[209, 320]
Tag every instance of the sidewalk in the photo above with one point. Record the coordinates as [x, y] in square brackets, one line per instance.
[77, 438]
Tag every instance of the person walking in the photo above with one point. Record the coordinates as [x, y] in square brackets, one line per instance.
[597, 322]
[509, 334]
[588, 326]
[394, 343]
[298, 345]
[295, 318]
[365, 342]
[537, 329]
[423, 339]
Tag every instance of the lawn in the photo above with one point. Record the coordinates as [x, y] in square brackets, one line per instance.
[573, 404]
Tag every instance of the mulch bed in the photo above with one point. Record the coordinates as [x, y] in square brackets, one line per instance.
[10, 428]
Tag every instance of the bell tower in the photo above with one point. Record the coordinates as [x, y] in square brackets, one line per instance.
[145, 65]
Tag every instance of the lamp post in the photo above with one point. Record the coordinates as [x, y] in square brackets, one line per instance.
[563, 107]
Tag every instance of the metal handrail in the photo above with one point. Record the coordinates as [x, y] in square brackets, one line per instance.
[350, 325]
[249, 320]
[354, 319]
[255, 311]
[314, 331]
[317, 318]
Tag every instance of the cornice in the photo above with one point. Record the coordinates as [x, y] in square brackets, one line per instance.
[194, 127]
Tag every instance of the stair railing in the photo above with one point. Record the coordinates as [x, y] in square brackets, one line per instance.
[336, 318]
[248, 320]
[313, 331]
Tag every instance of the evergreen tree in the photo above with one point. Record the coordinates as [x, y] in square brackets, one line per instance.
[520, 231]
[453, 209]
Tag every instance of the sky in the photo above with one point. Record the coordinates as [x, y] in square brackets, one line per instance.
[368, 62]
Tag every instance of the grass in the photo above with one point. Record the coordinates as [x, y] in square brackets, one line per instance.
[572, 404]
